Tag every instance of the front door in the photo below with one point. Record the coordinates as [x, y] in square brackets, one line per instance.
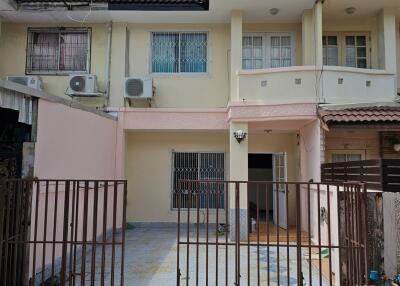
[279, 162]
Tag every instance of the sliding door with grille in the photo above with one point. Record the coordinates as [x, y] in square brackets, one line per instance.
[198, 166]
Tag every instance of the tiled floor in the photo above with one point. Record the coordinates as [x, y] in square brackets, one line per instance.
[151, 255]
[151, 260]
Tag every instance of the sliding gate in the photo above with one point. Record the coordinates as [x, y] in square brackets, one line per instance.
[228, 236]
[62, 232]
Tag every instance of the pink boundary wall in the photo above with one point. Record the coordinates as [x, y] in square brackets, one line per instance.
[73, 143]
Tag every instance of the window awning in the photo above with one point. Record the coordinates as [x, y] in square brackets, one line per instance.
[20, 102]
[389, 113]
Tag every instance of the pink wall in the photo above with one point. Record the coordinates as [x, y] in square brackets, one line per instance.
[74, 143]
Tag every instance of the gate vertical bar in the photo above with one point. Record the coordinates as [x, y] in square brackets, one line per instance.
[365, 233]
[124, 205]
[298, 228]
[237, 237]
[65, 234]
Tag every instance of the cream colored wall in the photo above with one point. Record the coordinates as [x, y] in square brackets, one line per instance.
[148, 169]
[183, 90]
[148, 166]
[13, 57]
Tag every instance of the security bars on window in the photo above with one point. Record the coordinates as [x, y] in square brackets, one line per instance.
[189, 166]
[179, 52]
[58, 50]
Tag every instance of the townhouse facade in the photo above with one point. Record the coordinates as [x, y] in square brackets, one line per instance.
[267, 90]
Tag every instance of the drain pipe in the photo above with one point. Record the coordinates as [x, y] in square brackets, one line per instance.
[108, 62]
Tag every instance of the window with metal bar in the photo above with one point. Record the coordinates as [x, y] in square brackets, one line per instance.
[58, 50]
[179, 52]
[195, 166]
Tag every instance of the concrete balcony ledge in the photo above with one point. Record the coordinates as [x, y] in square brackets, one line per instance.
[312, 84]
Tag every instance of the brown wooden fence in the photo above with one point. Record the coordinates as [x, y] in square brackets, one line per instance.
[381, 174]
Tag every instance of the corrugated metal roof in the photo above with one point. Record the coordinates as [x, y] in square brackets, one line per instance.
[361, 114]
[130, 4]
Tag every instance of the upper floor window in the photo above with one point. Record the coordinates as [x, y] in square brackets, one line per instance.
[179, 52]
[330, 50]
[58, 50]
[350, 50]
[356, 51]
[267, 50]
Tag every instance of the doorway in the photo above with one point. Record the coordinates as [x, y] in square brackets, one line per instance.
[267, 202]
[260, 169]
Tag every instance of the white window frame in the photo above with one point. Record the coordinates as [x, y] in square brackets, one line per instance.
[150, 65]
[266, 36]
[341, 41]
[338, 47]
[330, 153]
[88, 30]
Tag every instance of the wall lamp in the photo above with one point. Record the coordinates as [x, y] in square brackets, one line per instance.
[239, 135]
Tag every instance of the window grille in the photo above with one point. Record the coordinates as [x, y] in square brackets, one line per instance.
[198, 166]
[57, 50]
[179, 52]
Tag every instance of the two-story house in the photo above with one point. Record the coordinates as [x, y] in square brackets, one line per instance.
[235, 90]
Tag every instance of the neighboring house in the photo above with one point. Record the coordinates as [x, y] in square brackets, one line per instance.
[272, 69]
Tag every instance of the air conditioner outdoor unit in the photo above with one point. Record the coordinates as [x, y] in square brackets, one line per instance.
[82, 85]
[138, 88]
[31, 81]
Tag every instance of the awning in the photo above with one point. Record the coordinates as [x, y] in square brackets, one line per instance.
[17, 101]
[362, 114]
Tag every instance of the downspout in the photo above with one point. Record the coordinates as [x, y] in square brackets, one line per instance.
[108, 62]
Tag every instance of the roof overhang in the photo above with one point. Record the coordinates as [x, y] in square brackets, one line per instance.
[121, 5]
[377, 115]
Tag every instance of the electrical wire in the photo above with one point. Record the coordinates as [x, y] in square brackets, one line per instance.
[82, 22]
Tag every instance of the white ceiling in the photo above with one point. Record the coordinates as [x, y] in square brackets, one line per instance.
[254, 11]
[335, 9]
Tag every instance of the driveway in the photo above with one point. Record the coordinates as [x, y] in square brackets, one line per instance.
[151, 254]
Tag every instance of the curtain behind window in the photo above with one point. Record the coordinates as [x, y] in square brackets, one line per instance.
[44, 51]
[73, 51]
[165, 52]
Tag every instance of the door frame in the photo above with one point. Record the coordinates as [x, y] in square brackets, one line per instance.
[282, 223]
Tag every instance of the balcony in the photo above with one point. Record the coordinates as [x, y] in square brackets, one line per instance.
[309, 84]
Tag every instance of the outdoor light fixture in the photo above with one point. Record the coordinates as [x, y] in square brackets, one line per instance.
[274, 11]
[350, 10]
[396, 147]
[239, 135]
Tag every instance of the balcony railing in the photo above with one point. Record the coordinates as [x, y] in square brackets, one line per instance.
[382, 174]
[310, 84]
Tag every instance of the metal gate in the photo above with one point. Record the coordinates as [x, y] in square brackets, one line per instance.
[62, 232]
[238, 243]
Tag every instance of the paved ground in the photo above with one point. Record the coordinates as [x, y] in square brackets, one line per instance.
[151, 259]
[151, 256]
